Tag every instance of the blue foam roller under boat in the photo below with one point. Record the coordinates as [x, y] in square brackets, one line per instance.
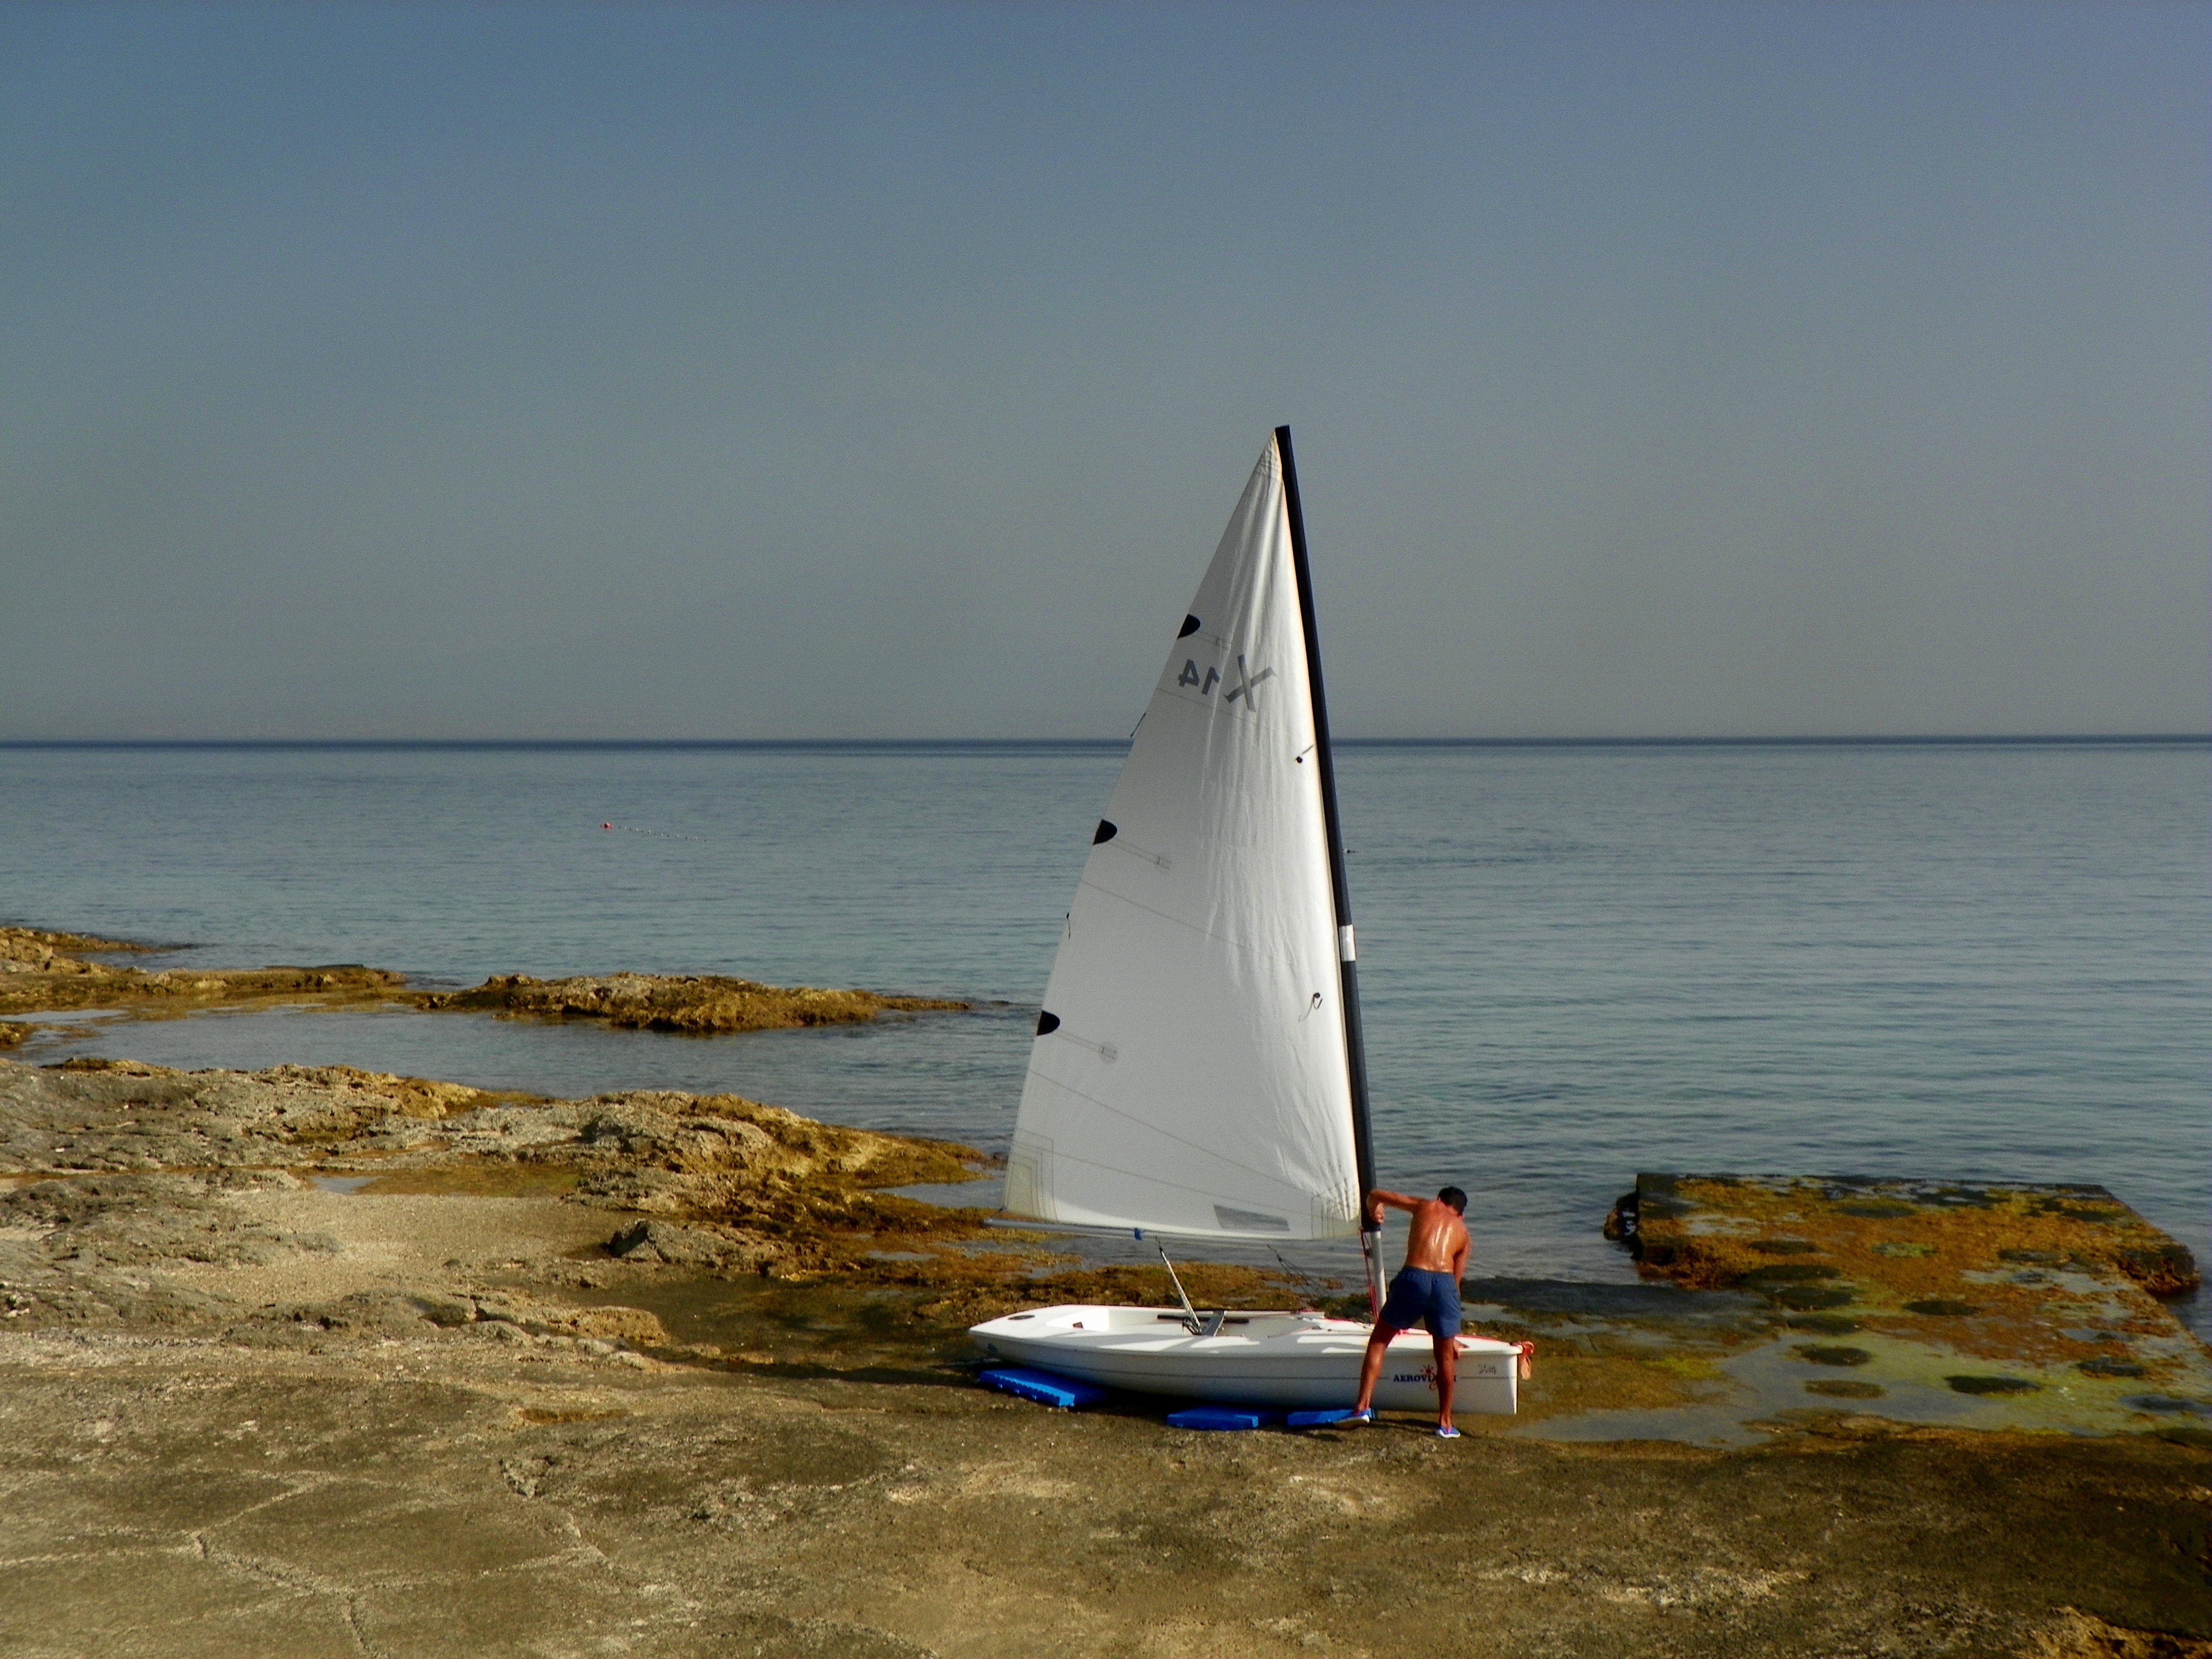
[1067, 1394]
[1220, 1418]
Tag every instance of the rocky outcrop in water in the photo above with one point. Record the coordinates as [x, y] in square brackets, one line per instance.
[693, 1004]
[42, 971]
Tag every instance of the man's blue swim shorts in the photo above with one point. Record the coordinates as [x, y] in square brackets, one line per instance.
[1420, 1295]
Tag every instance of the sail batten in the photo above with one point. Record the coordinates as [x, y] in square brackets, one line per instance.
[1195, 1078]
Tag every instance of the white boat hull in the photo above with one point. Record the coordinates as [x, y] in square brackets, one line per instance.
[1305, 1362]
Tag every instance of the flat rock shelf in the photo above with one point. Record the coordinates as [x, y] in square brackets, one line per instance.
[1979, 1304]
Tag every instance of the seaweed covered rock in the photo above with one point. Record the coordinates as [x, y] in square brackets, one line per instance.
[2044, 1285]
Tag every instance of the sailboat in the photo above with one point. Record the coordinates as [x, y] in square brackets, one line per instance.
[1197, 1073]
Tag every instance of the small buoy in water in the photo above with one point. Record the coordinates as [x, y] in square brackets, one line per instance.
[606, 826]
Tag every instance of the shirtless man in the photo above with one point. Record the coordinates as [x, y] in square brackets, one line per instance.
[1426, 1288]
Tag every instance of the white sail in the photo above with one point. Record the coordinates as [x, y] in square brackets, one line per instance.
[1189, 1075]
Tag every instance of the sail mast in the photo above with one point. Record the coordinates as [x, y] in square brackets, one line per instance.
[1355, 1048]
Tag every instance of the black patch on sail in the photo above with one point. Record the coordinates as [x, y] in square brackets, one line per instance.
[1107, 830]
[1249, 1221]
[1047, 1024]
[1189, 627]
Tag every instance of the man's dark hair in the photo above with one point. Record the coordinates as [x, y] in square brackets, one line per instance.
[1453, 1196]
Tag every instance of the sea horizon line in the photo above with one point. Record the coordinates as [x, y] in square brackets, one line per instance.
[795, 744]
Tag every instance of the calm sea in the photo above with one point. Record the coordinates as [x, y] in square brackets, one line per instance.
[1578, 963]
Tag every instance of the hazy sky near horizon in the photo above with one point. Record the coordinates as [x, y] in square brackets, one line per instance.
[855, 371]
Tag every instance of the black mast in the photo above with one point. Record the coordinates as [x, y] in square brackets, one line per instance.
[1363, 1137]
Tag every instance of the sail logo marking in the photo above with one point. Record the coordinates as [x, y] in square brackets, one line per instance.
[1233, 1220]
[1248, 687]
[1251, 681]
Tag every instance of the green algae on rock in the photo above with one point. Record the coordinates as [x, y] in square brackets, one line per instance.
[1708, 1231]
[1819, 1355]
[1845, 1388]
[1822, 1324]
[2034, 1299]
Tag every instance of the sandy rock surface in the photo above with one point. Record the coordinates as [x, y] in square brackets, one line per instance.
[374, 1493]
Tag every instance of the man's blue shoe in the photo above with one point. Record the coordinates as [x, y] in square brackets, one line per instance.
[1447, 1432]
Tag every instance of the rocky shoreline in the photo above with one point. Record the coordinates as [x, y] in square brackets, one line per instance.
[316, 1360]
[45, 971]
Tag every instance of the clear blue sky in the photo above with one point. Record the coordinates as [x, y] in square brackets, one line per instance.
[889, 371]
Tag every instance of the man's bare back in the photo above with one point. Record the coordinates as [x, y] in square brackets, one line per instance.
[1438, 1243]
